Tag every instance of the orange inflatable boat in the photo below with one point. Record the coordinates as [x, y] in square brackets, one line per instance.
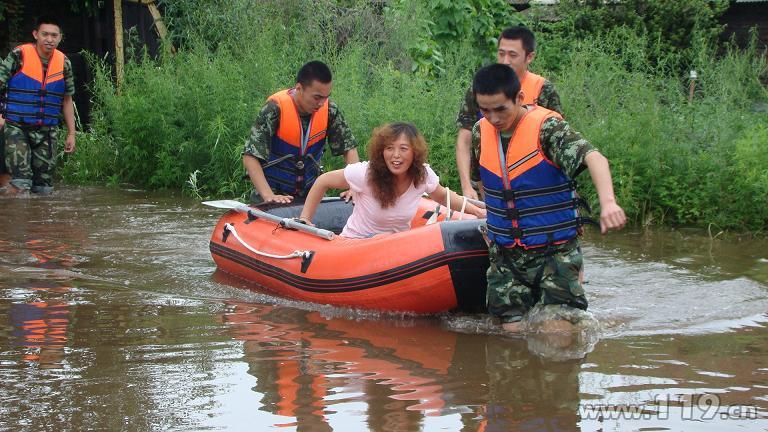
[439, 265]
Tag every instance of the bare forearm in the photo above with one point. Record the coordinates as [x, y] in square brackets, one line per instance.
[612, 216]
[256, 174]
[463, 158]
[455, 201]
[351, 156]
[333, 179]
[315, 195]
[68, 109]
[600, 172]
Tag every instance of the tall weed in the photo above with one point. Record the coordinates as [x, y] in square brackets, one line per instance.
[672, 161]
[180, 120]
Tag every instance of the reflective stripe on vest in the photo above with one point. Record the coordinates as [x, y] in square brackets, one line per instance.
[35, 96]
[295, 155]
[530, 201]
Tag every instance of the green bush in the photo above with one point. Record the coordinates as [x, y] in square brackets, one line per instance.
[670, 30]
[191, 112]
[438, 27]
[672, 162]
[180, 120]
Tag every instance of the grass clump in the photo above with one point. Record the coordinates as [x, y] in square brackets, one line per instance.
[673, 161]
[180, 120]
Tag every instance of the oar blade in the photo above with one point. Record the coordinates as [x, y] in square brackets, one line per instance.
[226, 204]
[288, 222]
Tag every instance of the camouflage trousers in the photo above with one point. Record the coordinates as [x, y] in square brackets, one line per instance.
[520, 279]
[3, 169]
[30, 156]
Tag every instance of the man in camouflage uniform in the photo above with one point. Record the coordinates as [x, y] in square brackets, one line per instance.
[522, 272]
[36, 98]
[309, 97]
[516, 49]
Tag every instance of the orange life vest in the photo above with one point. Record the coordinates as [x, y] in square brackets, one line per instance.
[531, 85]
[530, 201]
[295, 154]
[34, 96]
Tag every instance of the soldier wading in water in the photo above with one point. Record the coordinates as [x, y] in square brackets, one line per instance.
[527, 161]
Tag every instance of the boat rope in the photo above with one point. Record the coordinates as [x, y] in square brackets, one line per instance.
[463, 207]
[295, 254]
[433, 218]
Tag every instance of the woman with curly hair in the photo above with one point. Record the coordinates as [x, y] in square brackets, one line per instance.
[388, 187]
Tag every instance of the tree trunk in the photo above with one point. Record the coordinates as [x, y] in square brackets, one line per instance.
[119, 54]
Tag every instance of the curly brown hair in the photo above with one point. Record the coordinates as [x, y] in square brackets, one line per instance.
[379, 177]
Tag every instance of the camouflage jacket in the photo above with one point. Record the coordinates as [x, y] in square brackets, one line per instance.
[258, 144]
[548, 98]
[560, 143]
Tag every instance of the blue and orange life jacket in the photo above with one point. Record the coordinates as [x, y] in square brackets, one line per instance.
[531, 86]
[295, 155]
[530, 201]
[34, 95]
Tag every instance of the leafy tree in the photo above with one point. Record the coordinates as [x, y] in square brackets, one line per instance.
[672, 28]
[87, 6]
[12, 12]
[443, 24]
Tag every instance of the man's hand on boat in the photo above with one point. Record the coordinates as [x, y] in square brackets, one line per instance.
[280, 199]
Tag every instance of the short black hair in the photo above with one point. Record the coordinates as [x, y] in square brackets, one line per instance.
[494, 79]
[521, 33]
[46, 19]
[314, 71]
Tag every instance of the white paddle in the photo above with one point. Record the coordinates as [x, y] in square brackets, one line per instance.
[256, 213]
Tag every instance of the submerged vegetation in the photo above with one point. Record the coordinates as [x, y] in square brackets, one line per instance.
[180, 120]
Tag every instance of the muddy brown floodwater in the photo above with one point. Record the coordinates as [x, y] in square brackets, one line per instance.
[112, 317]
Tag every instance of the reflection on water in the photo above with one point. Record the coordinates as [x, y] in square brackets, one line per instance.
[111, 315]
[40, 328]
[313, 370]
